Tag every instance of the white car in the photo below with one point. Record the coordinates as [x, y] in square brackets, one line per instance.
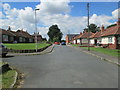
[3, 50]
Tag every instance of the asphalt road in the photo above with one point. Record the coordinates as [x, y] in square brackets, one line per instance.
[65, 67]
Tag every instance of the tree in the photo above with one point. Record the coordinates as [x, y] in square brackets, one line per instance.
[93, 28]
[54, 33]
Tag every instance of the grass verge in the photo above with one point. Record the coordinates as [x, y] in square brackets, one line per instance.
[112, 52]
[8, 78]
[23, 46]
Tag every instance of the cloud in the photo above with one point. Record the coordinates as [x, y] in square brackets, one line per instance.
[116, 13]
[50, 13]
[54, 6]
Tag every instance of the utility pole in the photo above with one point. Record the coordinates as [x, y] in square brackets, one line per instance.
[88, 28]
[36, 30]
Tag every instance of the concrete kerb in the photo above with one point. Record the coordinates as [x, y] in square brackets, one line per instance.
[102, 58]
[15, 80]
[30, 54]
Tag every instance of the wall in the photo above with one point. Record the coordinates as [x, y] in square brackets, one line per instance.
[92, 41]
[78, 41]
[104, 40]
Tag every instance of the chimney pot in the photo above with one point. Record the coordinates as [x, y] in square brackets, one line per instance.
[102, 29]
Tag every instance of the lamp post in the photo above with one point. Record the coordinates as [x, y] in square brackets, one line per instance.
[88, 28]
[36, 30]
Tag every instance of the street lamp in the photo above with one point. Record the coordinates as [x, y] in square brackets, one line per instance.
[36, 29]
[88, 28]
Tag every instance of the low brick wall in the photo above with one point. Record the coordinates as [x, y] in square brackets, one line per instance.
[28, 51]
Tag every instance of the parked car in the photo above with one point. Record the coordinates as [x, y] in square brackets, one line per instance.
[3, 50]
[63, 43]
[57, 43]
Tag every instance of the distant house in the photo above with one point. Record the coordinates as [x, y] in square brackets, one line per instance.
[77, 39]
[39, 37]
[19, 36]
[7, 37]
[69, 38]
[82, 38]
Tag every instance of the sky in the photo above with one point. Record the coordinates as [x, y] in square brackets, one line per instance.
[71, 17]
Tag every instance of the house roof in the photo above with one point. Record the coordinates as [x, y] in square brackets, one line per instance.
[115, 30]
[85, 35]
[23, 34]
[3, 31]
[96, 35]
[78, 36]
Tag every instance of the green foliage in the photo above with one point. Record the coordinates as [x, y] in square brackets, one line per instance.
[112, 52]
[93, 28]
[54, 33]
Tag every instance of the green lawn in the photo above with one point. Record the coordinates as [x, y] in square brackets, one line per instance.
[23, 46]
[112, 52]
[7, 79]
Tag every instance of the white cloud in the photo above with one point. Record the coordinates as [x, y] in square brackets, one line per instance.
[54, 7]
[100, 20]
[116, 13]
[50, 13]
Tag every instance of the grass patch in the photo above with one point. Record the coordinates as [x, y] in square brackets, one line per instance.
[23, 46]
[7, 79]
[112, 52]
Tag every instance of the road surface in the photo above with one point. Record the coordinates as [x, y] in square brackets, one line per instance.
[65, 67]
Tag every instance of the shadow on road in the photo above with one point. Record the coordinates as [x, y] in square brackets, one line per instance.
[8, 56]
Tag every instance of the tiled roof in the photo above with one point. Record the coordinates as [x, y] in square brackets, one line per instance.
[111, 31]
[3, 31]
[23, 34]
[78, 36]
[96, 35]
[85, 35]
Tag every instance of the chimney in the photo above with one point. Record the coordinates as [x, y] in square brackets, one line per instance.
[9, 28]
[118, 22]
[102, 28]
[80, 33]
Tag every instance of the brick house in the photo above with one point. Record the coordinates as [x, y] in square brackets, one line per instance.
[69, 38]
[6, 37]
[82, 39]
[109, 37]
[39, 37]
[77, 39]
[20, 36]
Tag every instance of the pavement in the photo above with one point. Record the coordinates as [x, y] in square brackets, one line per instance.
[48, 50]
[102, 56]
[65, 67]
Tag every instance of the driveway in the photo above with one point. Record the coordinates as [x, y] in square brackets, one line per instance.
[65, 67]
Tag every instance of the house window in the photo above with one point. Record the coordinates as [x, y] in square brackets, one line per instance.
[30, 40]
[20, 39]
[23, 39]
[5, 37]
[110, 39]
[11, 38]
